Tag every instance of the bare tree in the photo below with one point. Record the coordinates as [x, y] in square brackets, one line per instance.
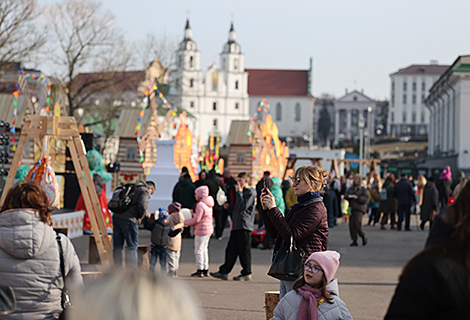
[163, 48]
[88, 42]
[21, 37]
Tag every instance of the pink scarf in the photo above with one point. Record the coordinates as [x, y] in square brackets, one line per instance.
[308, 304]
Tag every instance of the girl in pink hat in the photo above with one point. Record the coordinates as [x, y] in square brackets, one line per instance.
[202, 222]
[310, 298]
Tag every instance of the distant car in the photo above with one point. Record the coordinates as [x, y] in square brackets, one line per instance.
[261, 236]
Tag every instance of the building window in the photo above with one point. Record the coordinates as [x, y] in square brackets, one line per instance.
[414, 86]
[191, 104]
[393, 86]
[215, 81]
[177, 84]
[235, 64]
[240, 157]
[423, 98]
[404, 98]
[354, 98]
[215, 123]
[413, 117]
[404, 86]
[131, 153]
[180, 61]
[422, 117]
[393, 100]
[413, 98]
[236, 105]
[404, 116]
[214, 106]
[278, 112]
[236, 85]
[191, 61]
[191, 83]
[297, 112]
[392, 117]
[423, 86]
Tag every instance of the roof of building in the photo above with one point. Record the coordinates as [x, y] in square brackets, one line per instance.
[268, 82]
[353, 97]
[120, 81]
[128, 120]
[431, 69]
[238, 130]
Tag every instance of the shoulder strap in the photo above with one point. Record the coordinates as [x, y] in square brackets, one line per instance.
[61, 254]
[65, 296]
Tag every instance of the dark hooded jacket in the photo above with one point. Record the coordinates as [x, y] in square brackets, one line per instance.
[214, 183]
[184, 193]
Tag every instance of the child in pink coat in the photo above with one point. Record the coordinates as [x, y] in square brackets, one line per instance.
[203, 229]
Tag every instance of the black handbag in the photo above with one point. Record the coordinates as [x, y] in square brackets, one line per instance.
[7, 300]
[287, 262]
[65, 303]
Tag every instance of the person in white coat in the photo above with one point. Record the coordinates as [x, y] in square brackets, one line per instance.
[310, 298]
[29, 254]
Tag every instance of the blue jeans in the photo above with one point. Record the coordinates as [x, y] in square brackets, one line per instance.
[155, 253]
[128, 231]
[404, 212]
[285, 287]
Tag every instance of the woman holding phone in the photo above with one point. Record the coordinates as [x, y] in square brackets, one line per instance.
[306, 221]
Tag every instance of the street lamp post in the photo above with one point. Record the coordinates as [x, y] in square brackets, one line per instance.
[361, 142]
[368, 133]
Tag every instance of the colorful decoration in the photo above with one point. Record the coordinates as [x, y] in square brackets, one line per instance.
[209, 156]
[269, 153]
[183, 150]
[147, 149]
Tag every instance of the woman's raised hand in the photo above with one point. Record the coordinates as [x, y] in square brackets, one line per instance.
[267, 199]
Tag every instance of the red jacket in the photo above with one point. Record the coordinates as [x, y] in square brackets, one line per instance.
[308, 223]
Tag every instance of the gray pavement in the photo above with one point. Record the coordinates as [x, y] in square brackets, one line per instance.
[367, 275]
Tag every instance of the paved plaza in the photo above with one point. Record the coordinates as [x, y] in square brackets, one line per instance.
[367, 275]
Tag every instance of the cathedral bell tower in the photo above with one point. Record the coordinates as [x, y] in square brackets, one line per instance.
[231, 58]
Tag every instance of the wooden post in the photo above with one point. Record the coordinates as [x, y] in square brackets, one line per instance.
[271, 299]
[65, 128]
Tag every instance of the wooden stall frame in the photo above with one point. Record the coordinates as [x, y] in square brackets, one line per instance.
[371, 163]
[292, 160]
[65, 128]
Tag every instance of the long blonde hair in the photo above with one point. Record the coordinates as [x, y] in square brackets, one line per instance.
[312, 173]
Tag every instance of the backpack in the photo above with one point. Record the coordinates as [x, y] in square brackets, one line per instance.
[121, 198]
[383, 194]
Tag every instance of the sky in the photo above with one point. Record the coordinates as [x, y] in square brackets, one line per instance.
[354, 44]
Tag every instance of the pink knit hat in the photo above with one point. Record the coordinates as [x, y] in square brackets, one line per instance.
[174, 207]
[328, 261]
[202, 191]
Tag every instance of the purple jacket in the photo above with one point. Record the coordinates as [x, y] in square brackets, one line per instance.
[307, 222]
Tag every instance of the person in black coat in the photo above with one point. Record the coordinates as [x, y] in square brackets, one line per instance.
[430, 203]
[435, 283]
[405, 195]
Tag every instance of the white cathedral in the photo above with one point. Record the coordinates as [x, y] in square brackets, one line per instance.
[215, 97]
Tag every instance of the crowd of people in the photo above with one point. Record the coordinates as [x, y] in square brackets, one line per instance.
[37, 264]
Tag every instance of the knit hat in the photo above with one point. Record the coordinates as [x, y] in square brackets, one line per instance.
[328, 261]
[162, 215]
[202, 191]
[174, 207]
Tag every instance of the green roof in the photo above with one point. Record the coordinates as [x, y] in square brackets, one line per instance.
[462, 68]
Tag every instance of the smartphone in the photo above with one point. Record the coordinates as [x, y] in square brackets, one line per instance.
[264, 183]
